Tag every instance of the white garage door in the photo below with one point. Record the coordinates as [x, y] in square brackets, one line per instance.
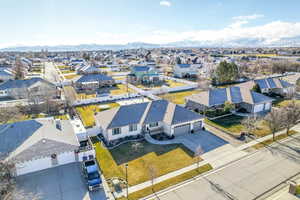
[182, 129]
[267, 106]
[33, 166]
[258, 108]
[197, 126]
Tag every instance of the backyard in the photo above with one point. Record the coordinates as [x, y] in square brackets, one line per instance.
[178, 97]
[233, 124]
[87, 112]
[120, 89]
[164, 158]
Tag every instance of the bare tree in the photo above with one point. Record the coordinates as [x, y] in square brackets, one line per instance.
[274, 121]
[8, 190]
[250, 124]
[291, 115]
[152, 172]
[9, 114]
[203, 84]
[136, 146]
[198, 153]
[19, 70]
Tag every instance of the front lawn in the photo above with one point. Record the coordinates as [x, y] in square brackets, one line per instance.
[71, 76]
[233, 125]
[87, 113]
[164, 158]
[173, 84]
[167, 183]
[284, 103]
[178, 97]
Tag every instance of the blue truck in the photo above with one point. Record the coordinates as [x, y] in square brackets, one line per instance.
[92, 175]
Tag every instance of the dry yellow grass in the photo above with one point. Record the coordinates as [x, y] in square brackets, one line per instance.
[120, 89]
[87, 113]
[179, 97]
[158, 156]
[71, 76]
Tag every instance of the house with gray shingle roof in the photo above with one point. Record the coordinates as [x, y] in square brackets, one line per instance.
[22, 89]
[39, 144]
[185, 70]
[144, 74]
[154, 117]
[270, 85]
[252, 101]
[94, 81]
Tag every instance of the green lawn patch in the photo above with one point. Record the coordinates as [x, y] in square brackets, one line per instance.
[270, 141]
[167, 183]
[179, 97]
[298, 190]
[232, 124]
[164, 158]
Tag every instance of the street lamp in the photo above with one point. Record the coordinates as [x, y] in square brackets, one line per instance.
[126, 166]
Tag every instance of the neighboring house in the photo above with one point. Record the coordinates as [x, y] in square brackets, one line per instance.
[145, 75]
[154, 117]
[249, 100]
[6, 74]
[185, 70]
[23, 89]
[89, 70]
[40, 144]
[94, 82]
[270, 85]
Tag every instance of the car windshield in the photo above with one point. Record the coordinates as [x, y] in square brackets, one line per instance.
[93, 175]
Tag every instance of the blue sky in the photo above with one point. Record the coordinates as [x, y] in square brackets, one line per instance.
[53, 22]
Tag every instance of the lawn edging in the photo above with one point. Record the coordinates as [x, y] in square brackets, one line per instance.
[271, 141]
[174, 181]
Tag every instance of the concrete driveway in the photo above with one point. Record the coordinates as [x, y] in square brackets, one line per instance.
[207, 140]
[60, 183]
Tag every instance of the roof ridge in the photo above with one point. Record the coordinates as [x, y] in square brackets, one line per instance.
[145, 113]
[278, 83]
[228, 92]
[247, 95]
[267, 82]
[169, 114]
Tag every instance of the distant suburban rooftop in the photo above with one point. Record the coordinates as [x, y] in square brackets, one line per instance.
[21, 83]
[141, 68]
[94, 78]
[184, 65]
[267, 83]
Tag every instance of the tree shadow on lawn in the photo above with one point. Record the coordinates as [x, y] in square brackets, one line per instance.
[126, 153]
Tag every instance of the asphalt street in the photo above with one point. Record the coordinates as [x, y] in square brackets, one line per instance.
[245, 179]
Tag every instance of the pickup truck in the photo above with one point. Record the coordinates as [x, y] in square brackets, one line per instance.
[91, 173]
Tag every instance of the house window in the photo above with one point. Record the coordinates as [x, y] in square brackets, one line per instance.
[154, 124]
[132, 127]
[116, 131]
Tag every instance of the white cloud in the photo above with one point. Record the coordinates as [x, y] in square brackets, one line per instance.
[270, 32]
[248, 17]
[165, 3]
